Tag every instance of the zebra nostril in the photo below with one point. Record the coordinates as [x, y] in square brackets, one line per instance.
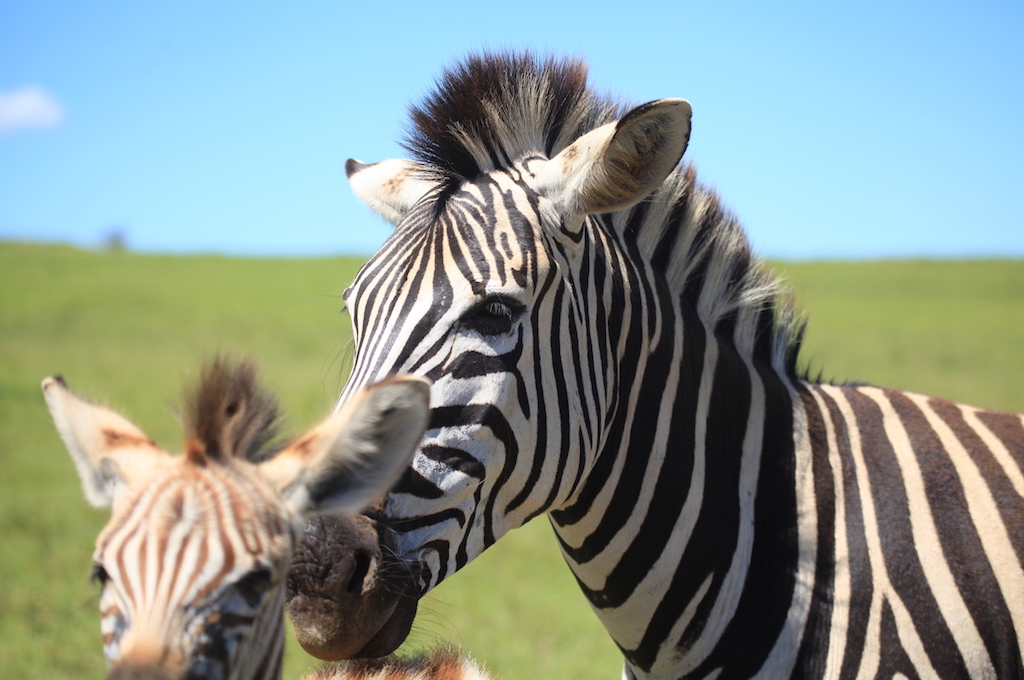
[362, 561]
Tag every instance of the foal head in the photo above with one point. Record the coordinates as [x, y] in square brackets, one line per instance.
[193, 561]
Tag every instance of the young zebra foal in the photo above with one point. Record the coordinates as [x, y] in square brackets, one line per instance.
[194, 558]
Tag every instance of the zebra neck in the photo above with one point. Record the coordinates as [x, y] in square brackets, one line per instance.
[685, 535]
[263, 658]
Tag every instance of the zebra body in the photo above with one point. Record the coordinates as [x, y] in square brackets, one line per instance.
[605, 349]
[194, 559]
[920, 510]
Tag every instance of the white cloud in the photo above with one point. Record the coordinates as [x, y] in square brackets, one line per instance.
[29, 108]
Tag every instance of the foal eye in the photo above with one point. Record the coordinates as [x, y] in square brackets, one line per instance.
[99, 575]
[494, 316]
[254, 585]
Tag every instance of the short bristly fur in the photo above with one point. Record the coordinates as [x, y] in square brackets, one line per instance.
[507, 111]
[229, 414]
[444, 664]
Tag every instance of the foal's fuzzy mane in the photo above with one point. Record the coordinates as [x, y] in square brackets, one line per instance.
[228, 414]
[495, 109]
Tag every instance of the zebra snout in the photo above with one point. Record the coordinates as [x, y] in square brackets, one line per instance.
[338, 556]
[341, 600]
[147, 662]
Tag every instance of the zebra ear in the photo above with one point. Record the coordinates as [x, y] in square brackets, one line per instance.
[351, 459]
[107, 450]
[618, 164]
[390, 188]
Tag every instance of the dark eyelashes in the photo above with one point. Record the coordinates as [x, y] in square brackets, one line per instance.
[495, 315]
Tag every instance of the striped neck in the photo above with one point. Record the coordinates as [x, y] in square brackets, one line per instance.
[678, 479]
[263, 658]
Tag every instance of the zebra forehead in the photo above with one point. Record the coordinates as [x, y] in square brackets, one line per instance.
[202, 501]
[490, 230]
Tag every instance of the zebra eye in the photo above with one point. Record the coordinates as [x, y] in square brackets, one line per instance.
[254, 585]
[99, 575]
[494, 316]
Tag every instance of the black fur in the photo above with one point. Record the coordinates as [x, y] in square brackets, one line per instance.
[526, 91]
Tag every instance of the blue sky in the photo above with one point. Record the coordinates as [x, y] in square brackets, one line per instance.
[840, 130]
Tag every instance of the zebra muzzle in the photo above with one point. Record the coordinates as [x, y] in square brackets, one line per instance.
[342, 601]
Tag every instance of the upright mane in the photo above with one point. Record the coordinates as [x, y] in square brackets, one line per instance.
[491, 110]
[229, 414]
[494, 109]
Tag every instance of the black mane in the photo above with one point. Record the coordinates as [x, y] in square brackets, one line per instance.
[492, 109]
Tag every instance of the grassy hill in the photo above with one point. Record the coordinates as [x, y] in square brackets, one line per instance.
[129, 329]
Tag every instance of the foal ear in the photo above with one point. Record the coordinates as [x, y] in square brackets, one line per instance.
[390, 188]
[107, 449]
[351, 459]
[618, 164]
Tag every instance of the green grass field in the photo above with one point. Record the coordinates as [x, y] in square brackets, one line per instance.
[129, 329]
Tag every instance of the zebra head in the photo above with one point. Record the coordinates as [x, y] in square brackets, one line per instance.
[193, 561]
[489, 286]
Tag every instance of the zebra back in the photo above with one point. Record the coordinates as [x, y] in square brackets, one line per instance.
[439, 664]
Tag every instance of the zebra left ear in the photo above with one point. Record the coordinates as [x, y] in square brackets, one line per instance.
[107, 450]
[618, 164]
[391, 188]
[352, 458]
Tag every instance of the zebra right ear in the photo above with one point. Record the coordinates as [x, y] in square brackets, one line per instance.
[616, 165]
[390, 188]
[351, 459]
[107, 450]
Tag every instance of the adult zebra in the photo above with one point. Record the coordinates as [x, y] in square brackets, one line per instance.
[605, 349]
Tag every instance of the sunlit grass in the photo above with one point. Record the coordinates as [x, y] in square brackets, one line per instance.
[129, 329]
[952, 329]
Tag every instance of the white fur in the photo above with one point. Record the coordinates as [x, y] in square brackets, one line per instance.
[617, 164]
[391, 188]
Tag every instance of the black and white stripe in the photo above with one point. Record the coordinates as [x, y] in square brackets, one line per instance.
[632, 373]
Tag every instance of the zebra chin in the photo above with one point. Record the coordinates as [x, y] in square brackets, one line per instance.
[348, 598]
